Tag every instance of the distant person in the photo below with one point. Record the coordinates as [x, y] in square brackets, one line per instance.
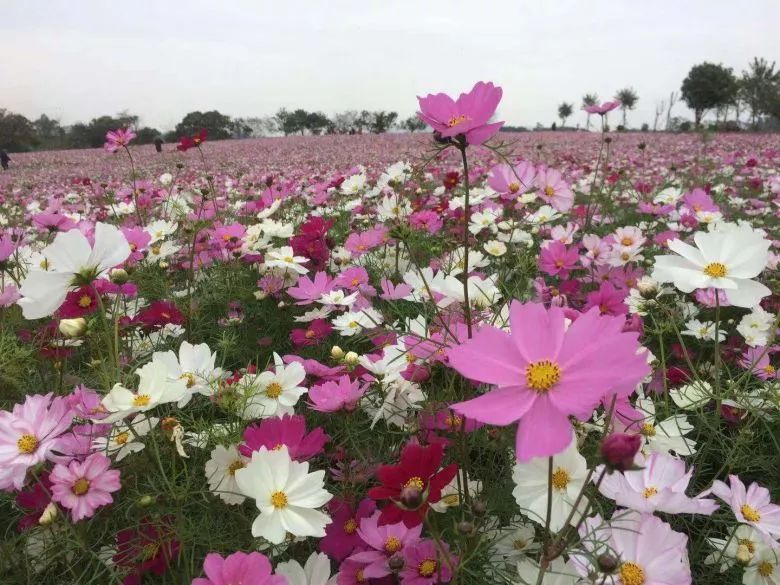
[4, 159]
[158, 142]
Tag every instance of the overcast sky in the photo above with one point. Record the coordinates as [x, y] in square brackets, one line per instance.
[160, 59]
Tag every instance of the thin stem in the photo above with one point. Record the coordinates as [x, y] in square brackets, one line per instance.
[466, 220]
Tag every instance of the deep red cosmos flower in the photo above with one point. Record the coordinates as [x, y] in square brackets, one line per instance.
[149, 548]
[158, 314]
[412, 484]
[187, 142]
[317, 330]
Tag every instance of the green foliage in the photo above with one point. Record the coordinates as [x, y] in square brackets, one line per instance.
[708, 86]
[219, 126]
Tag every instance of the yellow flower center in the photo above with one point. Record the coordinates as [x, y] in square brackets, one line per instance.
[519, 544]
[122, 438]
[626, 241]
[748, 544]
[142, 400]
[393, 544]
[750, 513]
[359, 576]
[560, 479]
[274, 390]
[190, 377]
[631, 574]
[427, 567]
[453, 422]
[648, 430]
[27, 444]
[715, 270]
[549, 191]
[235, 466]
[80, 487]
[415, 482]
[309, 334]
[649, 492]
[542, 375]
[85, 301]
[455, 120]
[451, 500]
[350, 526]
[288, 259]
[765, 569]
[279, 499]
[514, 187]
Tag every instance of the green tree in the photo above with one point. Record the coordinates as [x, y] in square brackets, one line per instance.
[589, 99]
[219, 125]
[759, 88]
[564, 111]
[16, 132]
[316, 122]
[93, 135]
[413, 123]
[707, 86]
[628, 99]
[49, 132]
[381, 122]
[146, 135]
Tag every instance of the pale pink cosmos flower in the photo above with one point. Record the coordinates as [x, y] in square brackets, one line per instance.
[511, 182]
[603, 108]
[332, 396]
[468, 115]
[545, 372]
[553, 189]
[116, 139]
[84, 487]
[29, 434]
[385, 541]
[658, 486]
[750, 506]
[239, 569]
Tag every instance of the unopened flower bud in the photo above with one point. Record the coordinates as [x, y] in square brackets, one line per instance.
[465, 528]
[478, 507]
[744, 556]
[411, 497]
[336, 352]
[73, 327]
[145, 501]
[396, 563]
[607, 563]
[49, 514]
[351, 358]
[619, 449]
[119, 276]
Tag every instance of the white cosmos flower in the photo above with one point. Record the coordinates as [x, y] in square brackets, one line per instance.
[195, 364]
[72, 262]
[316, 571]
[338, 298]
[495, 248]
[703, 330]
[450, 493]
[668, 435]
[123, 438]
[221, 473]
[160, 229]
[154, 388]
[158, 252]
[512, 542]
[531, 486]
[286, 259]
[721, 260]
[744, 541]
[352, 323]
[273, 393]
[286, 494]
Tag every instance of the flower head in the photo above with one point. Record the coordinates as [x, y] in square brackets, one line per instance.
[238, 569]
[84, 487]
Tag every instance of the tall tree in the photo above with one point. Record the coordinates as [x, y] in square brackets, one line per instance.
[708, 86]
[219, 126]
[16, 132]
[413, 123]
[589, 99]
[564, 111]
[759, 88]
[316, 122]
[382, 121]
[628, 99]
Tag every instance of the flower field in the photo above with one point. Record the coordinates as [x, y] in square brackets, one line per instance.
[464, 357]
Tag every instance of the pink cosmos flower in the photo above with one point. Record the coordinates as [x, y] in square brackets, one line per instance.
[659, 486]
[698, 200]
[510, 182]
[603, 108]
[556, 259]
[468, 115]
[751, 506]
[29, 434]
[385, 541]
[116, 139]
[756, 359]
[238, 569]
[425, 564]
[290, 431]
[84, 487]
[341, 535]
[306, 291]
[545, 373]
[608, 300]
[332, 396]
[317, 330]
[553, 189]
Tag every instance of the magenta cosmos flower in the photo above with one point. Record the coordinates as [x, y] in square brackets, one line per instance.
[116, 139]
[290, 431]
[425, 565]
[544, 373]
[238, 569]
[468, 115]
[84, 487]
[603, 108]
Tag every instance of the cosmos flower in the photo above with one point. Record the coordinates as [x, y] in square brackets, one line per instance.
[287, 430]
[341, 535]
[84, 487]
[116, 139]
[238, 569]
[221, 470]
[750, 506]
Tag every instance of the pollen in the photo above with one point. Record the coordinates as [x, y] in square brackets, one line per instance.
[765, 569]
[451, 500]
[715, 270]
[560, 479]
[393, 544]
[549, 191]
[750, 513]
[427, 567]
[27, 444]
[189, 377]
[542, 375]
[455, 120]
[631, 574]
[514, 187]
[648, 430]
[235, 466]
[415, 482]
[309, 334]
[350, 526]
[454, 422]
[279, 500]
[360, 576]
[122, 438]
[80, 487]
[626, 241]
[142, 400]
[649, 492]
[274, 390]
[85, 301]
